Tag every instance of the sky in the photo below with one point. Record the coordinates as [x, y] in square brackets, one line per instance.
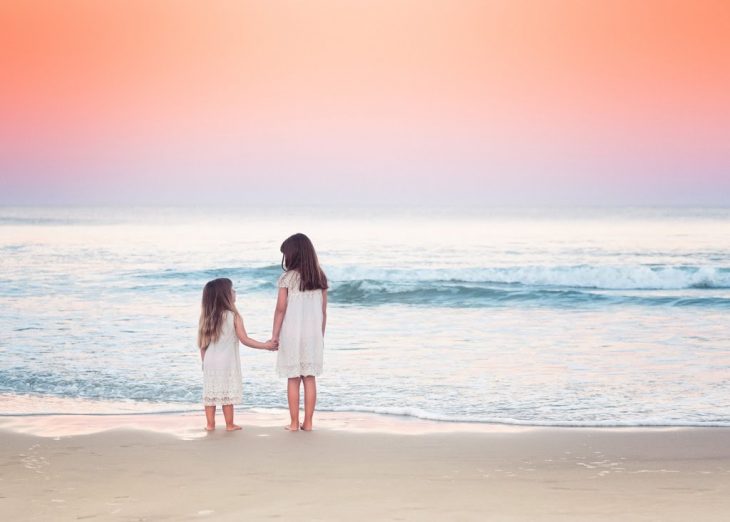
[351, 102]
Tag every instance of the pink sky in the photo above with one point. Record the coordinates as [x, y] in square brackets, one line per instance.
[374, 102]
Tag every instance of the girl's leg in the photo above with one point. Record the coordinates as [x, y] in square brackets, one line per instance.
[210, 418]
[228, 415]
[310, 399]
[292, 395]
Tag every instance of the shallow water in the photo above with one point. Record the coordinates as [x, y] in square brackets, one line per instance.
[555, 317]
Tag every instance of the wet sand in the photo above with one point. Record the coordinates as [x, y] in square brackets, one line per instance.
[163, 467]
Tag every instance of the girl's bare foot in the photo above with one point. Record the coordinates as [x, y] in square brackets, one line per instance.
[233, 427]
[209, 427]
[306, 426]
[292, 427]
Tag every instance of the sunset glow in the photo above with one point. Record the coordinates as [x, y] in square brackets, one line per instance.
[476, 102]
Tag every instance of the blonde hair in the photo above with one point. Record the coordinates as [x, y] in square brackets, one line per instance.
[217, 300]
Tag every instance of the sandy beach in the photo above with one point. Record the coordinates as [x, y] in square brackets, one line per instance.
[161, 467]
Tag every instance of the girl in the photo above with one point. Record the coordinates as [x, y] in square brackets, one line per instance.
[219, 330]
[299, 324]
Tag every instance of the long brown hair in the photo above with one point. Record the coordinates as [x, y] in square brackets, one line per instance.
[217, 300]
[298, 254]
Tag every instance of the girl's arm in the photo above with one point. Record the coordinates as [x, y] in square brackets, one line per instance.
[324, 310]
[279, 313]
[245, 339]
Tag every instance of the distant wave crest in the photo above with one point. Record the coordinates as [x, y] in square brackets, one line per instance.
[269, 272]
[492, 286]
[554, 286]
[637, 277]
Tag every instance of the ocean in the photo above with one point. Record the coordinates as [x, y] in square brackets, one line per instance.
[557, 317]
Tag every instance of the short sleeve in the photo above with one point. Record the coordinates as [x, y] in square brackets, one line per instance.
[284, 280]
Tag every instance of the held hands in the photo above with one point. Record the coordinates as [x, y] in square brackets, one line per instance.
[272, 345]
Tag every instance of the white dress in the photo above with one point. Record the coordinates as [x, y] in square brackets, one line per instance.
[301, 343]
[222, 382]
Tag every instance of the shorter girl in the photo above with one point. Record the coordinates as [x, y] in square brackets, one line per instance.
[299, 321]
[219, 330]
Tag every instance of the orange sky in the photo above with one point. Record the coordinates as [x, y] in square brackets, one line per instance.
[543, 92]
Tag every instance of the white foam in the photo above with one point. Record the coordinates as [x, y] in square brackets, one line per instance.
[417, 413]
[609, 277]
[28, 406]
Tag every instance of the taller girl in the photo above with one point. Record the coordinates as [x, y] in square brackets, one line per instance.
[299, 323]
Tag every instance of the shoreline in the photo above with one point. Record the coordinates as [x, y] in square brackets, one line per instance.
[186, 424]
[390, 420]
[116, 468]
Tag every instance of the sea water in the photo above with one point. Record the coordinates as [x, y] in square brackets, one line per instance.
[586, 317]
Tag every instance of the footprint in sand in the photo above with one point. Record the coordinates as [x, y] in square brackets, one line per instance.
[32, 461]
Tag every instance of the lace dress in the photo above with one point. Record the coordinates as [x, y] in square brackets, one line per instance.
[300, 341]
[222, 381]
